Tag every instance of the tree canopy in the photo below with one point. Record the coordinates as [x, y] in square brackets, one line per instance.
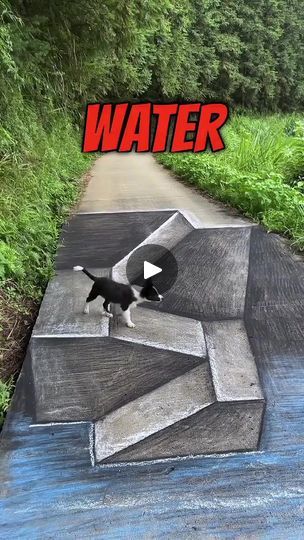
[248, 54]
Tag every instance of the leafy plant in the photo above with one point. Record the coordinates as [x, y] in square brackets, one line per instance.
[6, 389]
[259, 172]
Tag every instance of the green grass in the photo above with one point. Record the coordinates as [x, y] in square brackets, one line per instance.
[6, 389]
[261, 171]
[40, 180]
[38, 186]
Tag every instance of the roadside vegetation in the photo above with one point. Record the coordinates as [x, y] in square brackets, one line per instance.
[57, 56]
[38, 187]
[261, 171]
[5, 396]
[40, 180]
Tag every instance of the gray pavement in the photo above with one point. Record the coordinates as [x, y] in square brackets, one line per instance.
[137, 182]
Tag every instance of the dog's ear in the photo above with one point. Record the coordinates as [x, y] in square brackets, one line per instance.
[147, 285]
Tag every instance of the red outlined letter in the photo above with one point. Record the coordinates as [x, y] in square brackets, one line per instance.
[137, 129]
[163, 122]
[209, 129]
[182, 126]
[101, 131]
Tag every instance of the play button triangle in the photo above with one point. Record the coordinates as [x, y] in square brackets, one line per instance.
[150, 270]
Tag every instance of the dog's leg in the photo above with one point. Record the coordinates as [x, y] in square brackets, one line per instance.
[86, 308]
[106, 311]
[92, 296]
[126, 315]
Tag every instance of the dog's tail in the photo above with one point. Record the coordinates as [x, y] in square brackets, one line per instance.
[85, 271]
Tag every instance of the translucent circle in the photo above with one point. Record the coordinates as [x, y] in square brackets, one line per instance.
[157, 255]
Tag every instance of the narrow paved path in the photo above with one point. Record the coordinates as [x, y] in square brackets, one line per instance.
[137, 182]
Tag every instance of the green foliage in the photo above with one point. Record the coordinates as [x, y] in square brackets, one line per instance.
[40, 167]
[260, 172]
[68, 53]
[36, 194]
[6, 389]
[40, 159]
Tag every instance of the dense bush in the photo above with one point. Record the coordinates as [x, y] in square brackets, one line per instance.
[247, 53]
[40, 170]
[260, 171]
[40, 159]
[37, 190]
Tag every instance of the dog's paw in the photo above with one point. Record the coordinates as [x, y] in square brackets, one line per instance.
[130, 325]
[86, 311]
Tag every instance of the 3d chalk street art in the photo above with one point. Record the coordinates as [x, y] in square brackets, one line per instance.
[189, 391]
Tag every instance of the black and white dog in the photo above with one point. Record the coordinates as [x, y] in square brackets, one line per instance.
[119, 293]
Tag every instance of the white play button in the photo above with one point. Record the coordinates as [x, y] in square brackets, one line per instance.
[150, 270]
